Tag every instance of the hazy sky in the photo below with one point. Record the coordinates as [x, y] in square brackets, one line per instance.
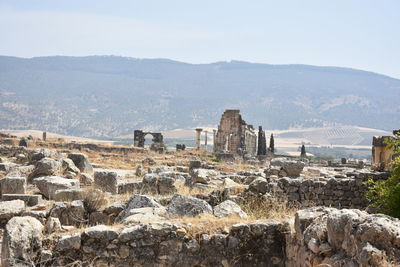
[363, 34]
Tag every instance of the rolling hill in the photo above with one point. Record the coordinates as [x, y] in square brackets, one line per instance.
[108, 96]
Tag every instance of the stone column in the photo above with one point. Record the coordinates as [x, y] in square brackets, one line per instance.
[44, 137]
[214, 140]
[198, 136]
[205, 140]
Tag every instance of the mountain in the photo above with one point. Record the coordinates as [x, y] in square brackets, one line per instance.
[108, 96]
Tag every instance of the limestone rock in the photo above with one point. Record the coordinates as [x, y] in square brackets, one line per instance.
[69, 242]
[145, 215]
[68, 194]
[52, 225]
[292, 168]
[72, 214]
[203, 176]
[46, 167]
[188, 206]
[102, 233]
[259, 185]
[229, 208]
[138, 201]
[81, 161]
[22, 240]
[107, 181]
[13, 185]
[48, 185]
[68, 165]
[86, 179]
[9, 209]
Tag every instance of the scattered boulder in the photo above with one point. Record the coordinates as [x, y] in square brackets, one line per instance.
[81, 161]
[145, 215]
[67, 165]
[13, 185]
[69, 242]
[7, 166]
[29, 199]
[48, 185]
[86, 179]
[107, 181]
[291, 168]
[52, 225]
[22, 241]
[102, 233]
[9, 209]
[68, 194]
[203, 176]
[259, 185]
[46, 167]
[138, 201]
[188, 206]
[229, 208]
[72, 214]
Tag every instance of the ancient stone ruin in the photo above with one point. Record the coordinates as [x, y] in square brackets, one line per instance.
[381, 153]
[234, 135]
[179, 209]
[158, 140]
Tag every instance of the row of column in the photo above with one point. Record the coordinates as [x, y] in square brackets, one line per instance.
[198, 137]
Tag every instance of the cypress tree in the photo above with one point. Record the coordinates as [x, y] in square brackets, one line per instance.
[272, 144]
[303, 151]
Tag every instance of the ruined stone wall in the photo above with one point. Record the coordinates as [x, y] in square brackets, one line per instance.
[167, 244]
[319, 235]
[234, 135]
[333, 192]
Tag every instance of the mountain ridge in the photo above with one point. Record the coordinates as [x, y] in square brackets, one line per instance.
[106, 96]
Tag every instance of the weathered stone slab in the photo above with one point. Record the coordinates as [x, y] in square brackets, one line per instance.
[13, 185]
[81, 161]
[9, 209]
[30, 200]
[48, 185]
[107, 181]
[68, 194]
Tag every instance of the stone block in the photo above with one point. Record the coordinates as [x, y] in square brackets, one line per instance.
[30, 200]
[68, 194]
[13, 185]
[107, 181]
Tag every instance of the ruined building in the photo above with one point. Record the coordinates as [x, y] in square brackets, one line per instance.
[139, 138]
[381, 153]
[234, 135]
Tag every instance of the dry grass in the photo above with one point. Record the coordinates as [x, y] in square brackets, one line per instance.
[278, 208]
[94, 199]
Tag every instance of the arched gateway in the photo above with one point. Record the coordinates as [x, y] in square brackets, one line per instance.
[139, 138]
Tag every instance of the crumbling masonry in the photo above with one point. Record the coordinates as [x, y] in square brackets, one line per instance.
[234, 135]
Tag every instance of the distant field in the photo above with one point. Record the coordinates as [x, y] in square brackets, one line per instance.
[336, 142]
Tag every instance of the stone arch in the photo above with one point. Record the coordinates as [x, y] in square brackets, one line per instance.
[139, 138]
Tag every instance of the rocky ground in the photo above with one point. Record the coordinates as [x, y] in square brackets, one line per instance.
[118, 207]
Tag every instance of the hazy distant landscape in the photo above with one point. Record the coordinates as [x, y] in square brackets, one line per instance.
[108, 96]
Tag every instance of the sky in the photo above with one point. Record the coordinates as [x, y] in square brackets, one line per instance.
[362, 34]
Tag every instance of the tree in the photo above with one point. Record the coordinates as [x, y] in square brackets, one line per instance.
[272, 144]
[385, 195]
[303, 151]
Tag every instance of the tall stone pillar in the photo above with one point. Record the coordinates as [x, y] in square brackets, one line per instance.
[44, 137]
[214, 140]
[198, 136]
[205, 139]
